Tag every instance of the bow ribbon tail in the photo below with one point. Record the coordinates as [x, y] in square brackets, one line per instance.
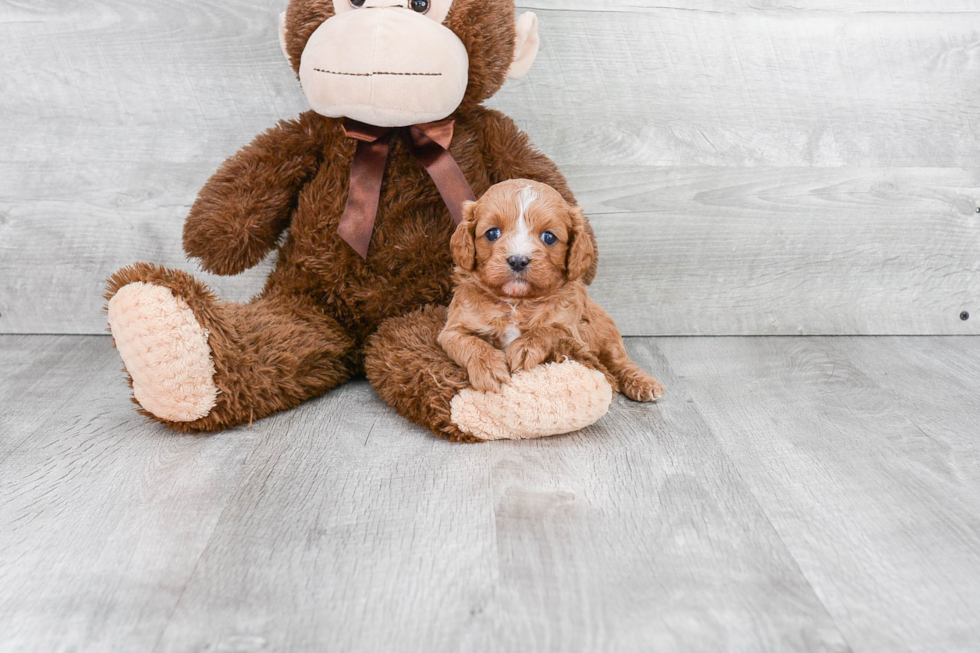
[430, 145]
[367, 172]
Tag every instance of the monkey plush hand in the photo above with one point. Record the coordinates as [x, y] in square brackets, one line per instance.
[370, 183]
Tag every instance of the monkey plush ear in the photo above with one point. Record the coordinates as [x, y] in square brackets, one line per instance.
[282, 37]
[528, 44]
[463, 243]
[581, 251]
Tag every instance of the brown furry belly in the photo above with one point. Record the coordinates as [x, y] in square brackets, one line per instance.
[361, 294]
[409, 263]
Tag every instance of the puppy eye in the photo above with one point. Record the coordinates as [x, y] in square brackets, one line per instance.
[492, 234]
[420, 6]
[357, 3]
[549, 238]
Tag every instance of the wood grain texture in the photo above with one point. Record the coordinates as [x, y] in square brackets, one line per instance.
[351, 530]
[644, 85]
[102, 517]
[712, 251]
[801, 251]
[665, 86]
[638, 535]
[340, 526]
[862, 454]
[38, 379]
[842, 132]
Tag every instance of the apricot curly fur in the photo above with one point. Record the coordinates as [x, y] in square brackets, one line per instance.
[325, 314]
[505, 320]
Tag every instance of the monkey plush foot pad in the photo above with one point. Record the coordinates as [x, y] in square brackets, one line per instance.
[165, 351]
[550, 399]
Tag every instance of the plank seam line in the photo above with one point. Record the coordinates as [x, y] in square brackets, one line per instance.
[207, 545]
[737, 474]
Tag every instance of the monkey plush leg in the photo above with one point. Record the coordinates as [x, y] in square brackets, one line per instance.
[410, 371]
[199, 364]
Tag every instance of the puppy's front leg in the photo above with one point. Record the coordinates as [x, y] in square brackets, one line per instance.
[606, 340]
[484, 363]
[533, 347]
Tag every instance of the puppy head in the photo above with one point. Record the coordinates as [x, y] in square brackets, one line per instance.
[521, 239]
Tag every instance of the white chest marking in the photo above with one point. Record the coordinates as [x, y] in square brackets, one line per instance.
[511, 334]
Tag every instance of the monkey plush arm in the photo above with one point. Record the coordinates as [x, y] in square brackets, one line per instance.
[245, 206]
[510, 155]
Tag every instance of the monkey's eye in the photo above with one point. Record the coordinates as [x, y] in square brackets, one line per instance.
[549, 238]
[420, 6]
[492, 234]
[357, 3]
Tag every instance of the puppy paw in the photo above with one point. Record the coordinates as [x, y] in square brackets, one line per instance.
[488, 374]
[527, 353]
[640, 386]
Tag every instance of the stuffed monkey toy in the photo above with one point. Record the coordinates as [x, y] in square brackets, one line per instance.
[369, 185]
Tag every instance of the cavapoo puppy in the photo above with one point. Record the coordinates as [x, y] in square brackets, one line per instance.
[519, 301]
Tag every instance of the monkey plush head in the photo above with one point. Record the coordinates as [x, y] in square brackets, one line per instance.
[394, 63]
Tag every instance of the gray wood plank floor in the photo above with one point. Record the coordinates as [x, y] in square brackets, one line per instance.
[809, 494]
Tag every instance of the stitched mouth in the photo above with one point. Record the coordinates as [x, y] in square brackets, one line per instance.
[334, 72]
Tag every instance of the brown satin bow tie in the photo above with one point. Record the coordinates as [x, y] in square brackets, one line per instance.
[429, 143]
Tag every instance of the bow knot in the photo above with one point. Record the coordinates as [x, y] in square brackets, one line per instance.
[428, 142]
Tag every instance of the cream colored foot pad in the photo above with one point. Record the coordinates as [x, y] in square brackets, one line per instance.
[165, 351]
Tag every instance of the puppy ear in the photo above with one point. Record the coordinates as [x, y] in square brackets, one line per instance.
[463, 243]
[581, 250]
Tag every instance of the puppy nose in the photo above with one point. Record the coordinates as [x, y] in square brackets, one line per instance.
[518, 263]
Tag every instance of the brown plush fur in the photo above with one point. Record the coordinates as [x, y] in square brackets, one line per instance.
[311, 327]
[502, 320]
[269, 355]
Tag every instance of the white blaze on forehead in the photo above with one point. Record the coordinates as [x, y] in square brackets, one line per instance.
[525, 198]
[521, 242]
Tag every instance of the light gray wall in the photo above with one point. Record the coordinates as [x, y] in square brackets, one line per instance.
[750, 166]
